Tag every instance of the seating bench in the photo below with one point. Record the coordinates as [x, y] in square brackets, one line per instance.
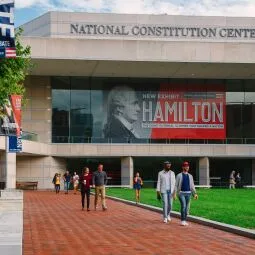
[22, 185]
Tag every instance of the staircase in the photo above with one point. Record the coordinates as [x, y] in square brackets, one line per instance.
[11, 222]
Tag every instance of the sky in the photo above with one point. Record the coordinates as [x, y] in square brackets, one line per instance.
[26, 10]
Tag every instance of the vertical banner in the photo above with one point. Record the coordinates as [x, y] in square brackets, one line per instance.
[16, 107]
[14, 113]
[7, 34]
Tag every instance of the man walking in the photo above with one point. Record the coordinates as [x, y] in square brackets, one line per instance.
[184, 188]
[99, 180]
[165, 189]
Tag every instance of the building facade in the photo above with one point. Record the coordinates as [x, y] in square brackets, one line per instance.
[131, 91]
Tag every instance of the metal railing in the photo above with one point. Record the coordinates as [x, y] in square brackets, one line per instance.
[80, 139]
[29, 136]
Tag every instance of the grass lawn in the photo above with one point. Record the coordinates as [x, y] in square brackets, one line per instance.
[236, 207]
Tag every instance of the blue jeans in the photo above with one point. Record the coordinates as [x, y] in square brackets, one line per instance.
[167, 203]
[185, 203]
[66, 186]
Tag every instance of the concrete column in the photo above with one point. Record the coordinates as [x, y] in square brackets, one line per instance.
[253, 172]
[204, 171]
[10, 170]
[127, 171]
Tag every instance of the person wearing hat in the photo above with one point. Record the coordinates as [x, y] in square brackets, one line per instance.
[165, 189]
[184, 188]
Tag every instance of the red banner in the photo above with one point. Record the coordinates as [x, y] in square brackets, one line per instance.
[16, 108]
[188, 113]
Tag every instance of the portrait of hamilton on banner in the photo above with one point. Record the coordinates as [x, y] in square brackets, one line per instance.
[122, 113]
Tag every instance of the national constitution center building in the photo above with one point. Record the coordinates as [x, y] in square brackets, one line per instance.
[132, 91]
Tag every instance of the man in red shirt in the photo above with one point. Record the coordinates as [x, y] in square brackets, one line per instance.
[85, 181]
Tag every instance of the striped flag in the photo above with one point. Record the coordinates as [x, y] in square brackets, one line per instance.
[10, 52]
[7, 34]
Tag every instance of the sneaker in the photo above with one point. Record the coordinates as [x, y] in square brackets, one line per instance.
[165, 220]
[183, 223]
[186, 223]
[104, 208]
[169, 218]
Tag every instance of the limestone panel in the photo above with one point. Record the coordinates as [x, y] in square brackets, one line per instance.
[27, 104]
[219, 150]
[117, 150]
[38, 92]
[26, 116]
[43, 115]
[155, 150]
[37, 162]
[41, 169]
[103, 150]
[129, 150]
[194, 150]
[23, 172]
[41, 103]
[64, 149]
[142, 150]
[76, 150]
[181, 150]
[238, 150]
[36, 114]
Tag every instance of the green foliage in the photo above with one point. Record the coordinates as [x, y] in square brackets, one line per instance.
[13, 71]
[235, 207]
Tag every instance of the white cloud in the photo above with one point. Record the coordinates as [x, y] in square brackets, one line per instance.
[185, 7]
[31, 3]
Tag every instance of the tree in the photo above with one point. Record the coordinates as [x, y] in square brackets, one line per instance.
[13, 71]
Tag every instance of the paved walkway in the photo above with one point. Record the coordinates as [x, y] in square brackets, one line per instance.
[54, 224]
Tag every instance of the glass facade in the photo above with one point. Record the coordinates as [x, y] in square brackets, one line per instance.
[90, 110]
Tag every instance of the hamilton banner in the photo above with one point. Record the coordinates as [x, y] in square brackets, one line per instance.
[182, 113]
[7, 34]
[173, 111]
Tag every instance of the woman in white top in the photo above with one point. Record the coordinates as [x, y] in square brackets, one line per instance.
[75, 182]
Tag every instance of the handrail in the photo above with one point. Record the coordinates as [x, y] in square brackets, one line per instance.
[81, 139]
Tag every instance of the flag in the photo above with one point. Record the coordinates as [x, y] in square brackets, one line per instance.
[10, 52]
[7, 34]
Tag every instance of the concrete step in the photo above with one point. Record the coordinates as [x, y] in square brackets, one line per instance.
[11, 230]
[11, 205]
[11, 194]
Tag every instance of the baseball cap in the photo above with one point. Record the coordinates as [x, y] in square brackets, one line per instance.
[185, 163]
[167, 162]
